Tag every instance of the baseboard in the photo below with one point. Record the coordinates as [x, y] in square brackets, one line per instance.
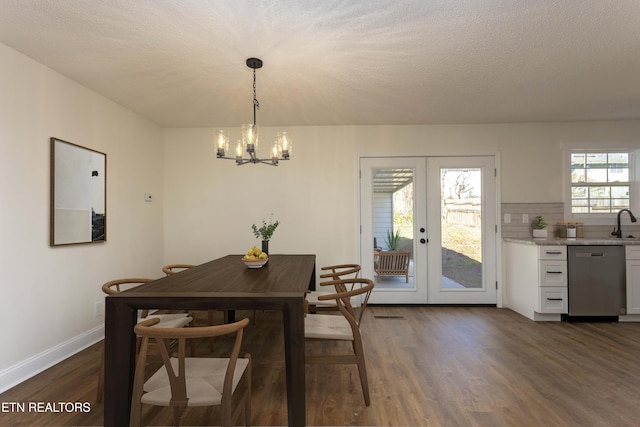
[629, 318]
[26, 369]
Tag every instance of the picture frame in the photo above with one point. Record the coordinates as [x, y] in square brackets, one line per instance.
[78, 193]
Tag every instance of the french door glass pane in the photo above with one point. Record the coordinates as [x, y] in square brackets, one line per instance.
[393, 226]
[461, 225]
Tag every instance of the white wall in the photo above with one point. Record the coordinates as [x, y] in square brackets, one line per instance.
[210, 204]
[48, 294]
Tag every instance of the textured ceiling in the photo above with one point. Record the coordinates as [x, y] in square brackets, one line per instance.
[181, 63]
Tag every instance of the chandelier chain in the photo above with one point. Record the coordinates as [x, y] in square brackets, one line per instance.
[256, 104]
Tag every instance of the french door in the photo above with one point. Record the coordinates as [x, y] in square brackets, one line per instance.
[393, 213]
[440, 213]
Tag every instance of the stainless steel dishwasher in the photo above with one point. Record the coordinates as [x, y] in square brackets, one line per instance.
[596, 280]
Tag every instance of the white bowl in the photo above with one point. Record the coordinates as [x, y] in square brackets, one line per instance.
[255, 263]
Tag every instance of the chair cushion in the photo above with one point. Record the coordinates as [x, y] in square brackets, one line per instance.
[312, 299]
[177, 320]
[327, 326]
[204, 378]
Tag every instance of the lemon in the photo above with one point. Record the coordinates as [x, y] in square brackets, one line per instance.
[255, 253]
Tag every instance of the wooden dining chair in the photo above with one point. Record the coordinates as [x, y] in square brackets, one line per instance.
[329, 327]
[336, 272]
[171, 269]
[190, 382]
[177, 320]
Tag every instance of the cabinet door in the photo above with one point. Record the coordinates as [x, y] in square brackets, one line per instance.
[553, 299]
[552, 252]
[553, 273]
[632, 252]
[633, 287]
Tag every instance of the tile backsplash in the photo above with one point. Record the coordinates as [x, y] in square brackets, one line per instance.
[552, 213]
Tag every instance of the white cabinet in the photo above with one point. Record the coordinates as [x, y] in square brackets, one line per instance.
[553, 299]
[553, 273]
[536, 280]
[552, 280]
[632, 255]
[552, 252]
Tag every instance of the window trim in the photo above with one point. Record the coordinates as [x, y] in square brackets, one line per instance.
[598, 218]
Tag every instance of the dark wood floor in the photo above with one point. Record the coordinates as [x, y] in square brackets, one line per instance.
[430, 366]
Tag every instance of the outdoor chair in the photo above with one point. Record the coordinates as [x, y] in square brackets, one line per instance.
[392, 263]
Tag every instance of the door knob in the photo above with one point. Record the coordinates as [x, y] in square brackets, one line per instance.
[422, 230]
[423, 241]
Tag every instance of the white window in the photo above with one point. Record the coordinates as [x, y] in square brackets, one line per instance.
[600, 181]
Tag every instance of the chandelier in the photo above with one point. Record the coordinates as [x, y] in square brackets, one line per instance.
[281, 149]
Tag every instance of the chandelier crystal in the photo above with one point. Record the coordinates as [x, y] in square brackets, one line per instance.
[280, 150]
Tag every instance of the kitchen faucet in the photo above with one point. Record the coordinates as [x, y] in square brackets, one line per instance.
[618, 232]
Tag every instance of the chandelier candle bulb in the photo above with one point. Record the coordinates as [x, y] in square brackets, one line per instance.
[250, 136]
[222, 143]
[285, 144]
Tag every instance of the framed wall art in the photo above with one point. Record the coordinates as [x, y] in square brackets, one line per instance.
[78, 194]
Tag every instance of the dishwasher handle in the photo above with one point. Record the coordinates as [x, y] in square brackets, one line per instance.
[589, 254]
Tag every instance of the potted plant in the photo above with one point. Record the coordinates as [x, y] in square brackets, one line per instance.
[265, 232]
[393, 240]
[539, 227]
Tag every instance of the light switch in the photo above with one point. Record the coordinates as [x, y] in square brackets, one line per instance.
[525, 218]
[507, 218]
[148, 197]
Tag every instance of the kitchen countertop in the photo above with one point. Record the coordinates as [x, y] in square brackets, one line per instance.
[581, 241]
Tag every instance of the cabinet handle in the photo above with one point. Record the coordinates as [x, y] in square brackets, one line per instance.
[554, 299]
[554, 272]
[554, 253]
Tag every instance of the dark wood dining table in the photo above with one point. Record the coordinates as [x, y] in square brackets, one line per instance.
[227, 284]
